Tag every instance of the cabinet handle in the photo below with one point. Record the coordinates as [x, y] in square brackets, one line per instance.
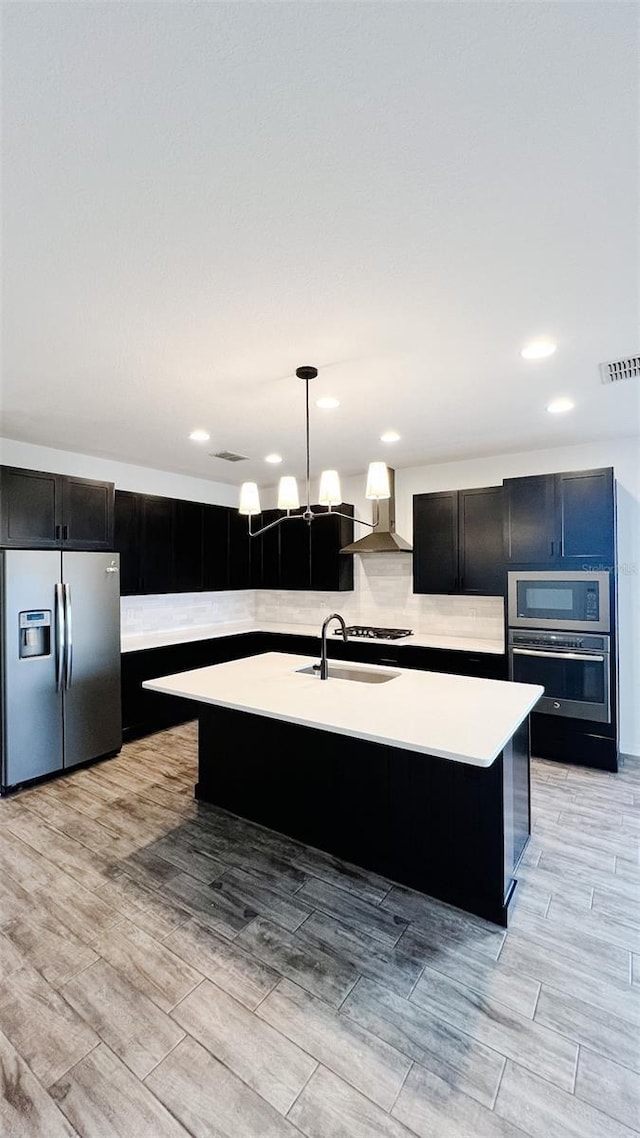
[65, 533]
[552, 545]
[57, 533]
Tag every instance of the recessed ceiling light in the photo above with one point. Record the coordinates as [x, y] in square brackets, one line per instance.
[559, 405]
[273, 458]
[390, 437]
[200, 436]
[538, 350]
[327, 402]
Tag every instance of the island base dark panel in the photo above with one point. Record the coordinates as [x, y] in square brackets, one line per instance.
[428, 823]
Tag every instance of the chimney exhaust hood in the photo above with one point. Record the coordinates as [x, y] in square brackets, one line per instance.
[383, 537]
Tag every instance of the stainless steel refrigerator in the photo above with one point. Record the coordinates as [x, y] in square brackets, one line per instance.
[60, 684]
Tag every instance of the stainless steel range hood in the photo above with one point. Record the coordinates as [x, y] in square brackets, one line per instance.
[383, 537]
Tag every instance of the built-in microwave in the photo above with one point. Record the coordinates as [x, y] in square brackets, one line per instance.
[570, 600]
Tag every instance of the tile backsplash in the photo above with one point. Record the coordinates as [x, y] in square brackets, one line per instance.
[185, 610]
[382, 596]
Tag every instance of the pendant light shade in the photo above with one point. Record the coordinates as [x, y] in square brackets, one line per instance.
[378, 481]
[249, 499]
[330, 493]
[288, 497]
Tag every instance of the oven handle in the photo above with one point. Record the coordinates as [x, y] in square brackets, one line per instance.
[559, 655]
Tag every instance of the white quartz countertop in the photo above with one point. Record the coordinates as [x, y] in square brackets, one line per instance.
[140, 641]
[464, 719]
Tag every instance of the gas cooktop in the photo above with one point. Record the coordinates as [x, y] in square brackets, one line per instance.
[374, 633]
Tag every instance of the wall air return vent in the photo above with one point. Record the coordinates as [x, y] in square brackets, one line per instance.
[615, 370]
[229, 456]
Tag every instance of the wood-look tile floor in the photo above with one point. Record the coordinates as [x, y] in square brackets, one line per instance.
[168, 970]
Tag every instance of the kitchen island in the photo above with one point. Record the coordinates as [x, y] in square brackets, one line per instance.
[420, 776]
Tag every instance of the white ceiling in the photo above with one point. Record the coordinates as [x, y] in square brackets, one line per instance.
[199, 197]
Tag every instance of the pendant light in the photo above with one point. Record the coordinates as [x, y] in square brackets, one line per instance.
[378, 487]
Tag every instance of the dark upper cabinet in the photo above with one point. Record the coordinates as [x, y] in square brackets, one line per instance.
[187, 547]
[586, 509]
[480, 541]
[435, 542]
[294, 555]
[31, 508]
[168, 545]
[530, 524]
[265, 552]
[87, 514]
[215, 548]
[457, 542]
[295, 551]
[561, 519]
[332, 571]
[156, 545]
[239, 551]
[144, 540]
[127, 540]
[39, 510]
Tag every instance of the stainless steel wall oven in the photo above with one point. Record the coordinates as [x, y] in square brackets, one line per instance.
[573, 669]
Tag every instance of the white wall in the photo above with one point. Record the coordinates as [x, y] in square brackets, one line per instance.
[141, 479]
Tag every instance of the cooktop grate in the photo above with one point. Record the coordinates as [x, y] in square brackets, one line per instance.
[367, 630]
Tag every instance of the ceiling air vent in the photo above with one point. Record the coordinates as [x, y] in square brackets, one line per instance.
[229, 456]
[616, 370]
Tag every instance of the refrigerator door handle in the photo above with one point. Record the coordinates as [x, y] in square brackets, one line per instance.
[69, 636]
[60, 637]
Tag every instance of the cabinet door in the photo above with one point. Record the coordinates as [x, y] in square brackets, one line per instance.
[435, 542]
[215, 542]
[265, 552]
[586, 502]
[156, 561]
[531, 531]
[295, 552]
[331, 570]
[127, 540]
[87, 514]
[480, 541]
[30, 509]
[239, 551]
[187, 547]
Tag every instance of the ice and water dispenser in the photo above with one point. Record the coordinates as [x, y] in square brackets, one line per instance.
[35, 633]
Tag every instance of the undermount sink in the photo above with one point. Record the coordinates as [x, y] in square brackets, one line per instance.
[360, 675]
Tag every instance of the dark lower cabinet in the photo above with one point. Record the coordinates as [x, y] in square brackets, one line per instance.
[448, 829]
[574, 741]
[144, 712]
[39, 510]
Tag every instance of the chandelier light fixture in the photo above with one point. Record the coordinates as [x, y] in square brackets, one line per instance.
[378, 486]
